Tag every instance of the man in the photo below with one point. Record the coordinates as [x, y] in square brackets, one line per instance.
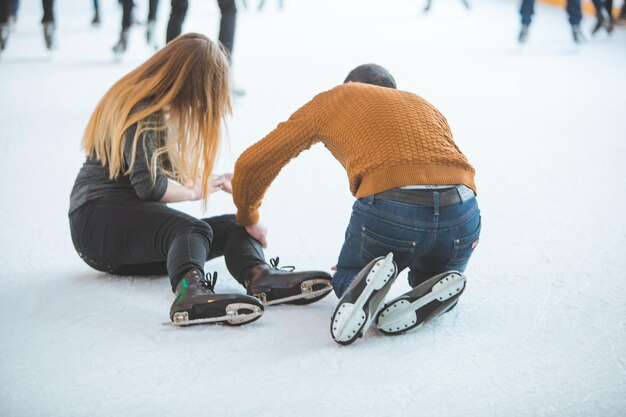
[574, 11]
[415, 195]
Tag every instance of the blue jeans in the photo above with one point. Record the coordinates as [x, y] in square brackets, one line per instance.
[427, 240]
[573, 7]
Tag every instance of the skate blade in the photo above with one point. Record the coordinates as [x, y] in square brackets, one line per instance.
[232, 316]
[306, 289]
[350, 319]
[401, 315]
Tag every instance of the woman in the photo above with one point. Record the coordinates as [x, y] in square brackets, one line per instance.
[153, 139]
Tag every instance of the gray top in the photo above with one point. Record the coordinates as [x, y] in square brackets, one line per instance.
[93, 180]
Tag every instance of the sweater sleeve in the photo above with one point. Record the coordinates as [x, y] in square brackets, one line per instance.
[257, 167]
[140, 177]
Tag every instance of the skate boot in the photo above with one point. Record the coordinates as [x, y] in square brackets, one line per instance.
[96, 20]
[272, 285]
[610, 25]
[599, 24]
[122, 43]
[577, 34]
[358, 306]
[523, 34]
[48, 35]
[197, 303]
[150, 34]
[4, 36]
[430, 299]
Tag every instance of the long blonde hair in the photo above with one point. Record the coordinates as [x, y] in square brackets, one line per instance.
[188, 80]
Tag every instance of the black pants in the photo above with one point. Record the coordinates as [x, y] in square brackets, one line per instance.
[606, 4]
[127, 12]
[5, 11]
[48, 11]
[128, 236]
[228, 10]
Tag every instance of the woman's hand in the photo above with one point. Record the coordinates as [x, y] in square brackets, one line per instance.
[259, 232]
[222, 182]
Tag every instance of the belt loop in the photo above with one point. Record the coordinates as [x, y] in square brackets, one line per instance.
[461, 196]
[436, 203]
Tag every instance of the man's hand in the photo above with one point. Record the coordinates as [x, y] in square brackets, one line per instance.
[258, 231]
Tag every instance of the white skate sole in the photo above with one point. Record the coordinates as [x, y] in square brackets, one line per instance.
[350, 319]
[401, 315]
[306, 289]
[232, 316]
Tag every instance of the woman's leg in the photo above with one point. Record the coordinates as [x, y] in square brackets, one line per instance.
[230, 240]
[122, 234]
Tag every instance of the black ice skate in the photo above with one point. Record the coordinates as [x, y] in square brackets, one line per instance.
[197, 303]
[577, 34]
[4, 35]
[358, 305]
[430, 299]
[599, 23]
[48, 35]
[122, 43]
[523, 34]
[150, 34]
[96, 19]
[277, 286]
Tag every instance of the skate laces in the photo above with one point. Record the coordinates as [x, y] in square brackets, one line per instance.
[209, 281]
[274, 265]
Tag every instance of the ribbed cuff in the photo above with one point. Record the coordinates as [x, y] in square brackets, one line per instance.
[247, 218]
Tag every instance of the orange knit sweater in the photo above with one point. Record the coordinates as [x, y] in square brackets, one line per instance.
[384, 138]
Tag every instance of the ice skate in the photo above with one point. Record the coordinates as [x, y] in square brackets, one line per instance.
[358, 306]
[277, 286]
[197, 303]
[96, 19]
[523, 34]
[4, 36]
[599, 23]
[48, 34]
[122, 43]
[423, 303]
[150, 34]
[577, 34]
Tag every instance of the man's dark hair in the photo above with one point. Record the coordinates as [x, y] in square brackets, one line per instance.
[371, 74]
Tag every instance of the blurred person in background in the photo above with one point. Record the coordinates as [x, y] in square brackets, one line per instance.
[228, 10]
[127, 21]
[8, 9]
[96, 13]
[621, 18]
[429, 5]
[602, 21]
[574, 11]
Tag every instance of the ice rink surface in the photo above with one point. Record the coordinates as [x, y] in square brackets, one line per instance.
[541, 328]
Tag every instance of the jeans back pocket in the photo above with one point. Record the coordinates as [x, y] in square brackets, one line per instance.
[462, 248]
[375, 244]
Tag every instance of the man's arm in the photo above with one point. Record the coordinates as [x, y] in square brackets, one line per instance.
[257, 167]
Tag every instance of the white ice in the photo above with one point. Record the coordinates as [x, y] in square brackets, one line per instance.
[541, 329]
